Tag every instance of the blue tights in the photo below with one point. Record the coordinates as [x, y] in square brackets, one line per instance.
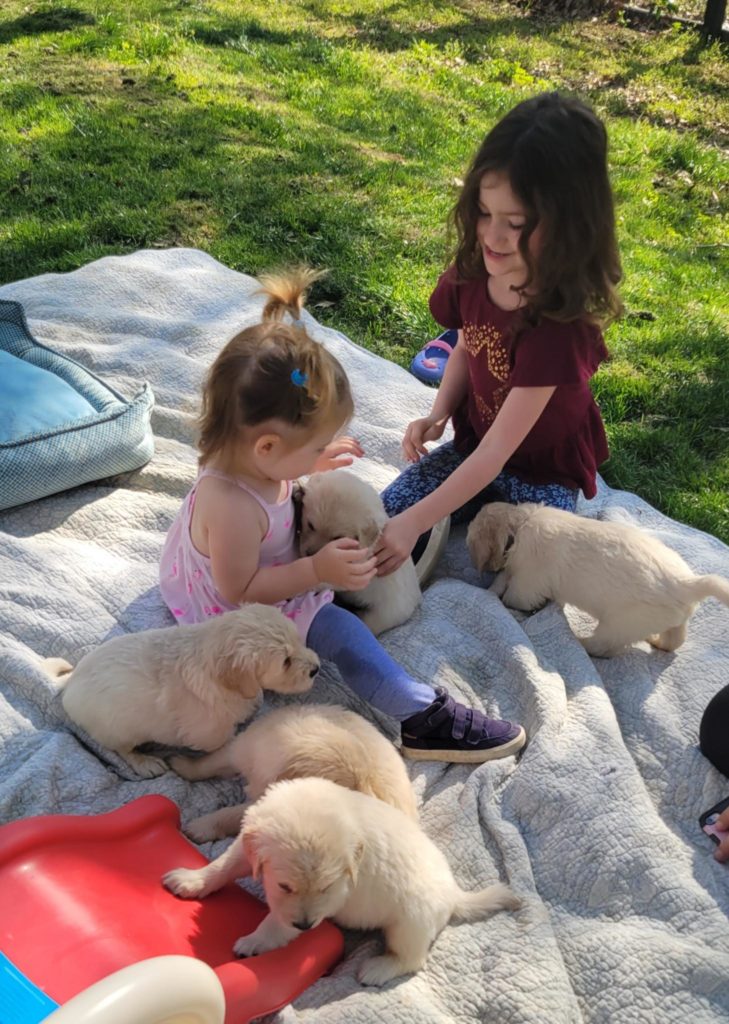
[339, 636]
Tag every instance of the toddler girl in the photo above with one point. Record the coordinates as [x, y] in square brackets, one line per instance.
[534, 277]
[273, 403]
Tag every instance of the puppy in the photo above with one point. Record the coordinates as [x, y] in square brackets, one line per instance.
[316, 739]
[339, 504]
[636, 587]
[184, 685]
[325, 851]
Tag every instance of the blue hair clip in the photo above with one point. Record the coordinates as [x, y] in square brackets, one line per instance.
[299, 378]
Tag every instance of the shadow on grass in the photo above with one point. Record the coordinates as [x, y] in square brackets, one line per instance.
[248, 182]
[48, 18]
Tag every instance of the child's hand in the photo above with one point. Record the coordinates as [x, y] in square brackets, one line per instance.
[395, 545]
[344, 564]
[722, 851]
[417, 433]
[341, 452]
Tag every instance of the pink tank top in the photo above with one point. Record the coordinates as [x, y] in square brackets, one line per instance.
[187, 583]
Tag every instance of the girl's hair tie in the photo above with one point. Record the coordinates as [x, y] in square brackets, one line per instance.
[299, 378]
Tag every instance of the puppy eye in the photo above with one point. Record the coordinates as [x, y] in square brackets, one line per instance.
[284, 887]
[287, 662]
[309, 524]
[326, 888]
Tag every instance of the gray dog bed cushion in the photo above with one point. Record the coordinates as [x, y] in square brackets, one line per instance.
[60, 425]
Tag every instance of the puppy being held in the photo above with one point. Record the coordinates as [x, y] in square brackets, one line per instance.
[290, 743]
[635, 586]
[183, 685]
[323, 851]
[339, 504]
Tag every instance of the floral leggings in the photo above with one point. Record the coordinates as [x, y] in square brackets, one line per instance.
[420, 479]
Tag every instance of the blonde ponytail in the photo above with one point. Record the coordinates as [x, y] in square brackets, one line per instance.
[273, 371]
[286, 291]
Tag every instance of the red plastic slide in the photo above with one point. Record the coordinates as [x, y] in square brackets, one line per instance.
[81, 897]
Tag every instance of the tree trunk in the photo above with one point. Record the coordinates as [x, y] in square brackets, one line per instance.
[714, 18]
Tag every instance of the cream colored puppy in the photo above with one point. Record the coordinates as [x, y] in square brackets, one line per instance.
[184, 685]
[325, 851]
[289, 743]
[339, 504]
[635, 586]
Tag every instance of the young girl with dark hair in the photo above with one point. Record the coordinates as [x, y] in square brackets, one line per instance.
[273, 403]
[533, 281]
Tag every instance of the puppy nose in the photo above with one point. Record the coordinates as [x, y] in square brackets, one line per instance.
[313, 672]
[303, 926]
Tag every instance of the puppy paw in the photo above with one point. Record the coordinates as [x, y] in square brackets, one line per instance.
[251, 945]
[184, 766]
[202, 830]
[145, 765]
[184, 882]
[378, 970]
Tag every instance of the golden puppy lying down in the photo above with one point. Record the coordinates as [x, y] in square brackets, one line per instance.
[325, 851]
[635, 586]
[288, 743]
[183, 685]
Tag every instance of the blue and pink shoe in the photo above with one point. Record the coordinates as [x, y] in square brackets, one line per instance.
[429, 364]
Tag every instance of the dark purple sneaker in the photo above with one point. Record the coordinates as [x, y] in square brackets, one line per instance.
[449, 731]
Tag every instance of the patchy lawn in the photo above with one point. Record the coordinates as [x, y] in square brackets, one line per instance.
[336, 132]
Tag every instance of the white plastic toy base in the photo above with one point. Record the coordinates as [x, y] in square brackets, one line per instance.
[162, 990]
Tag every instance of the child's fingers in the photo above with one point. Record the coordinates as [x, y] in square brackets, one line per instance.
[389, 565]
[360, 582]
[345, 544]
[363, 568]
[723, 820]
[411, 453]
[722, 851]
[347, 444]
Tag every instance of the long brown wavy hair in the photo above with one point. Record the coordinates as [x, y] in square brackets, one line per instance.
[273, 371]
[553, 150]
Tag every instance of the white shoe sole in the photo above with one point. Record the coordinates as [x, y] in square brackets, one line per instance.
[467, 756]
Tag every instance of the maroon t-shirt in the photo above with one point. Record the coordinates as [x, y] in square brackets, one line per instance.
[567, 443]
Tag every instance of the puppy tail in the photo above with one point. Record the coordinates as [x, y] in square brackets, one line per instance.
[710, 586]
[57, 669]
[397, 796]
[472, 906]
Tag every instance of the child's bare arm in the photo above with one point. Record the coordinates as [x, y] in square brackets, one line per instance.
[235, 527]
[450, 394]
[235, 530]
[520, 411]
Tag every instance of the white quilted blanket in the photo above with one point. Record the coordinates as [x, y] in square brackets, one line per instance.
[625, 910]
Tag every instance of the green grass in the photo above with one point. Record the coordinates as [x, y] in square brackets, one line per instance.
[336, 132]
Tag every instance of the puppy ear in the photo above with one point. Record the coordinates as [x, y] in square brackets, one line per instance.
[252, 851]
[353, 863]
[368, 533]
[239, 671]
[478, 542]
[297, 496]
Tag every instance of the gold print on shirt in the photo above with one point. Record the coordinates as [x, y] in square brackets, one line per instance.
[488, 337]
[487, 411]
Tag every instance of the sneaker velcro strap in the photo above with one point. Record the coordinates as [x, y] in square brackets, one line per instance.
[461, 722]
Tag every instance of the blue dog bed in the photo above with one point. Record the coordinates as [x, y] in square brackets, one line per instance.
[60, 426]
